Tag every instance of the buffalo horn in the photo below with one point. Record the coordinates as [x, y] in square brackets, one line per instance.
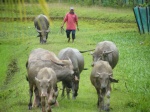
[49, 79]
[47, 30]
[58, 63]
[69, 59]
[107, 52]
[37, 79]
[38, 30]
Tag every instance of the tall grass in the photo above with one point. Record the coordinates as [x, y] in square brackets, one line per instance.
[18, 38]
[53, 10]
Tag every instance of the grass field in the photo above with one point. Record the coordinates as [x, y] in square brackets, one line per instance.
[18, 38]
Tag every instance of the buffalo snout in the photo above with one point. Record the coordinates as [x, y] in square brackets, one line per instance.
[43, 41]
[103, 89]
[43, 94]
[103, 86]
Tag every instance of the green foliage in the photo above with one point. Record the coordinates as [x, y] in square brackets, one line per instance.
[58, 11]
[113, 3]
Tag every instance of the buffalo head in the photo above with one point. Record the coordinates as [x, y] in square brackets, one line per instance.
[43, 86]
[104, 79]
[43, 34]
[100, 56]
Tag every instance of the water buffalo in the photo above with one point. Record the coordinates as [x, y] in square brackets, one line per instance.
[40, 58]
[106, 51]
[46, 82]
[41, 23]
[101, 77]
[78, 65]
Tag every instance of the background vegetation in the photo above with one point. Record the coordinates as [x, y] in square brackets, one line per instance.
[113, 3]
[18, 38]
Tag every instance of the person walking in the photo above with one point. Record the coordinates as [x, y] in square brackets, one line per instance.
[71, 21]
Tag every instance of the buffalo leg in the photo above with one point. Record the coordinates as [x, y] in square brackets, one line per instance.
[103, 92]
[51, 100]
[63, 89]
[31, 94]
[43, 104]
[49, 109]
[75, 88]
[55, 96]
[107, 108]
[98, 97]
[37, 97]
[73, 91]
[68, 92]
[100, 102]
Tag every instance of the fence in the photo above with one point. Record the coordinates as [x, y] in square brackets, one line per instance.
[142, 16]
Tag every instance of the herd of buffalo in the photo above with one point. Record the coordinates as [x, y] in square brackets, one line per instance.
[45, 70]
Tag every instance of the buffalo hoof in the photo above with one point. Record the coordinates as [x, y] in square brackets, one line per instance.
[76, 94]
[30, 107]
[106, 109]
[39, 105]
[74, 97]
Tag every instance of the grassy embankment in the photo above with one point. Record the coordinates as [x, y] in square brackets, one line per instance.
[96, 24]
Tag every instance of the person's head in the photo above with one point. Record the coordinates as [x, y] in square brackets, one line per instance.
[71, 10]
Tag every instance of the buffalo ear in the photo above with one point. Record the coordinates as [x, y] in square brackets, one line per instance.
[96, 75]
[76, 78]
[110, 75]
[91, 53]
[92, 64]
[113, 80]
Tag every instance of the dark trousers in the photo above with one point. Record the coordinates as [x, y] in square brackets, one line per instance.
[70, 31]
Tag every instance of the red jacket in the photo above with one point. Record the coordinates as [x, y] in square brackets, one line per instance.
[71, 20]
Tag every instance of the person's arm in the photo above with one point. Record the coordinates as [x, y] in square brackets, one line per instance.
[77, 23]
[65, 19]
[63, 24]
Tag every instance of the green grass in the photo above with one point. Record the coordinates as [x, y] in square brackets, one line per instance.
[131, 94]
